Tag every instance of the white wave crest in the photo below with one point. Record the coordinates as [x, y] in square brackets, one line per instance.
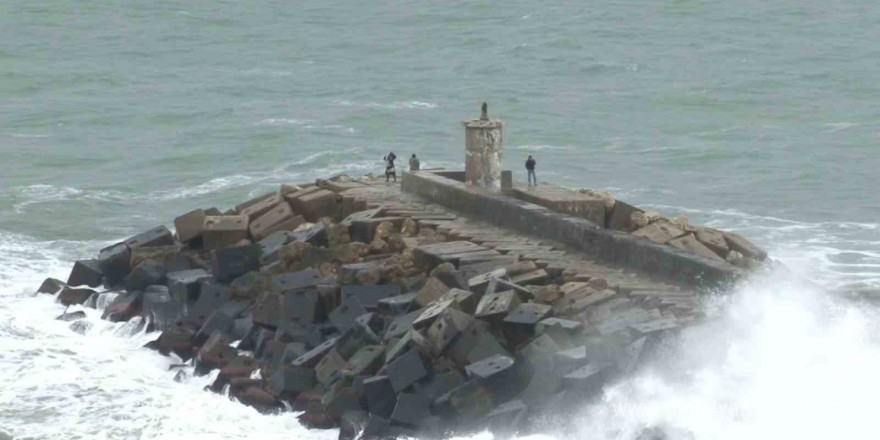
[396, 105]
[545, 147]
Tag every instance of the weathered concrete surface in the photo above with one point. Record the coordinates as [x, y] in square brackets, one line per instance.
[615, 247]
[563, 200]
[484, 145]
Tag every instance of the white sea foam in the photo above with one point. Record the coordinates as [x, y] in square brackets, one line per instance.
[276, 122]
[28, 135]
[545, 147]
[396, 105]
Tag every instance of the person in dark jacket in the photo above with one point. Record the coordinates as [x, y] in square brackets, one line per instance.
[389, 166]
[530, 169]
[414, 163]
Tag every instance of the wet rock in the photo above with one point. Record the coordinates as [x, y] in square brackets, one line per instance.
[145, 274]
[115, 262]
[70, 295]
[124, 307]
[185, 285]
[51, 286]
[81, 326]
[189, 225]
[215, 353]
[661, 231]
[86, 273]
[739, 244]
[260, 400]
[71, 316]
[158, 236]
[177, 340]
[410, 410]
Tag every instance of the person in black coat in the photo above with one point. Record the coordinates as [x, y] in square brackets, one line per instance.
[530, 169]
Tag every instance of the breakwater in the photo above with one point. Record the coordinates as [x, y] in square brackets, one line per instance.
[388, 311]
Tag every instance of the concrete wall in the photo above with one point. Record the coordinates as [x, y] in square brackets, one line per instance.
[619, 248]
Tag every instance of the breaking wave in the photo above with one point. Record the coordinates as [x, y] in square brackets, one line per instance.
[396, 105]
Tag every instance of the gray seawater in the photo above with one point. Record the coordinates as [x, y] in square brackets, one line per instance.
[759, 117]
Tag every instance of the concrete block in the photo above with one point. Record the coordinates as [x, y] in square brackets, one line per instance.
[71, 316]
[249, 285]
[214, 353]
[233, 262]
[164, 255]
[343, 317]
[211, 297]
[185, 286]
[467, 301]
[313, 356]
[410, 410]
[160, 310]
[288, 382]
[434, 310]
[655, 325]
[449, 325]
[123, 307]
[369, 296]
[468, 401]
[51, 286]
[316, 235]
[215, 322]
[480, 282]
[373, 322]
[397, 305]
[590, 378]
[661, 231]
[365, 361]
[270, 245]
[499, 284]
[299, 309]
[412, 340]
[261, 207]
[145, 274]
[379, 395]
[406, 370]
[295, 281]
[85, 273]
[329, 365]
[528, 314]
[223, 231]
[267, 310]
[619, 218]
[714, 240]
[242, 206]
[361, 215]
[431, 291]
[429, 256]
[280, 214]
[158, 236]
[738, 243]
[177, 340]
[401, 325]
[539, 348]
[189, 225]
[691, 244]
[314, 205]
[114, 263]
[538, 276]
[494, 307]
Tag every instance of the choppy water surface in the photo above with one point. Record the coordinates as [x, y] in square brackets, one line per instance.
[749, 116]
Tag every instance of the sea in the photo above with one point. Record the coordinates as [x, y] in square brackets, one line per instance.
[759, 117]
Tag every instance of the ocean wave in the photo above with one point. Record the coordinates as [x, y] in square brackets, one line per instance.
[834, 127]
[742, 373]
[545, 147]
[278, 122]
[28, 135]
[396, 105]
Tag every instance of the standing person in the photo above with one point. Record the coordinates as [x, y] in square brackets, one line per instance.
[530, 169]
[414, 163]
[389, 166]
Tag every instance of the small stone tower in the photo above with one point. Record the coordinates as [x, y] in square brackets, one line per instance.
[484, 146]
